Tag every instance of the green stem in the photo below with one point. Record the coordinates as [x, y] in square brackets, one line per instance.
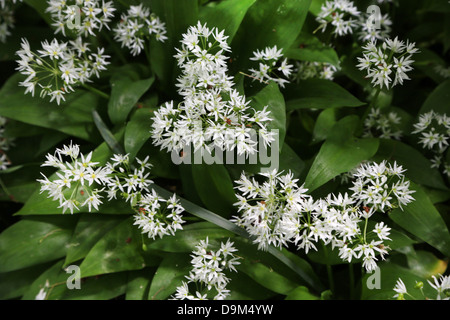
[329, 270]
[96, 91]
[2, 184]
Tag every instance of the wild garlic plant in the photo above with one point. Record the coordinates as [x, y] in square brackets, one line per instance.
[82, 17]
[135, 28]
[441, 286]
[388, 64]
[208, 277]
[7, 20]
[212, 114]
[434, 131]
[278, 212]
[272, 66]
[80, 184]
[382, 124]
[58, 67]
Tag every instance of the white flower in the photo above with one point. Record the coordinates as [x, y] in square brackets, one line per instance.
[208, 272]
[442, 287]
[58, 67]
[341, 14]
[387, 65]
[400, 288]
[137, 26]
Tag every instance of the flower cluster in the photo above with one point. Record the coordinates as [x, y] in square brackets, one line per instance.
[442, 70]
[58, 67]
[5, 144]
[83, 16]
[441, 286]
[434, 130]
[278, 212]
[341, 14]
[81, 182]
[137, 26]
[311, 69]
[381, 187]
[374, 27]
[212, 113]
[391, 59]
[382, 125]
[208, 272]
[270, 68]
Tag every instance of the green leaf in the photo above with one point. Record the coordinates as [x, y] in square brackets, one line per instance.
[291, 262]
[185, 240]
[226, 15]
[271, 97]
[169, 275]
[72, 117]
[301, 293]
[417, 165]
[426, 264]
[326, 120]
[319, 94]
[89, 230]
[214, 187]
[33, 241]
[340, 153]
[268, 23]
[309, 48]
[424, 221]
[16, 283]
[138, 284]
[127, 89]
[438, 100]
[118, 250]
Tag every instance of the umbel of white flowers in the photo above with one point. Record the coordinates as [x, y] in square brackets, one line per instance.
[277, 212]
[58, 67]
[212, 113]
[80, 182]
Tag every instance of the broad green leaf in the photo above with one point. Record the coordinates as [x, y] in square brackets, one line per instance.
[214, 187]
[426, 264]
[309, 48]
[171, 272]
[185, 240]
[418, 167]
[424, 221]
[326, 120]
[340, 153]
[178, 17]
[89, 230]
[138, 284]
[301, 293]
[226, 15]
[438, 100]
[33, 241]
[242, 287]
[126, 89]
[137, 131]
[380, 286]
[268, 23]
[271, 97]
[72, 117]
[290, 262]
[319, 94]
[16, 283]
[120, 249]
[104, 287]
